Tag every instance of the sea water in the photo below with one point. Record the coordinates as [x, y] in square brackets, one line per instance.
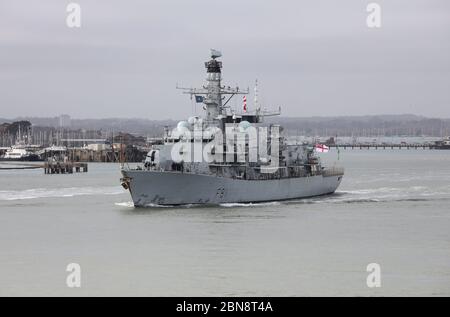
[392, 208]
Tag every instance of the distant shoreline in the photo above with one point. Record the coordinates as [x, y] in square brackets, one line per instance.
[356, 126]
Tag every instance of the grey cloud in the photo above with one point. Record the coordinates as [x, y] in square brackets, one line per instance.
[311, 57]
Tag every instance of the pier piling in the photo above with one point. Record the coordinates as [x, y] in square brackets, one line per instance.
[65, 168]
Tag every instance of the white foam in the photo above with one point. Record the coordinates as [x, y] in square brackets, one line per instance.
[232, 205]
[35, 193]
[150, 205]
[387, 194]
[128, 204]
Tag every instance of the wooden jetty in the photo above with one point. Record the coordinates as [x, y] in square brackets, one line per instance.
[383, 146]
[65, 167]
[53, 167]
[130, 154]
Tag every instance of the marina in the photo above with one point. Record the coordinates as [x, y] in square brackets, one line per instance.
[384, 146]
[392, 208]
[88, 154]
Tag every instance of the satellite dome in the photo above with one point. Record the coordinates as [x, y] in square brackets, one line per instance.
[244, 125]
[182, 125]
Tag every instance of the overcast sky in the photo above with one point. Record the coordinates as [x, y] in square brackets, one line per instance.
[310, 57]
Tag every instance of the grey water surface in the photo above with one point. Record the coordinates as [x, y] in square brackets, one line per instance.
[393, 208]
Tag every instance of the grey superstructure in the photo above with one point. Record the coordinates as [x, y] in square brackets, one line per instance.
[227, 157]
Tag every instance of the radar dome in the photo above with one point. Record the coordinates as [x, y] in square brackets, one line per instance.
[244, 125]
[182, 125]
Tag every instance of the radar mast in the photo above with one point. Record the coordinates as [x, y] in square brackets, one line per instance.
[213, 93]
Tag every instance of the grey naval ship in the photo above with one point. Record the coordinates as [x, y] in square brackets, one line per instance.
[227, 156]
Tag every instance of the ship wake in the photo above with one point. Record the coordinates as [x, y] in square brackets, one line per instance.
[36, 193]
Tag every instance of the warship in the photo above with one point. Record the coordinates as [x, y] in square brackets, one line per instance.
[227, 156]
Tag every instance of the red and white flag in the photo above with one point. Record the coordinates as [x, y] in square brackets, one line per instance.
[244, 103]
[322, 148]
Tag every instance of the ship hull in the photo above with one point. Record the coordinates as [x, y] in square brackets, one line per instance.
[149, 188]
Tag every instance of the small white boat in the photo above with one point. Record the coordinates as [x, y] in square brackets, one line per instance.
[19, 153]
